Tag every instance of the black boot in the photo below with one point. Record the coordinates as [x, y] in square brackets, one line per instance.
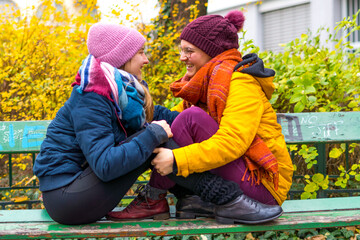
[243, 209]
[191, 206]
[232, 205]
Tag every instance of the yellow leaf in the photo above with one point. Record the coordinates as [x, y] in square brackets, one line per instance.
[335, 153]
[20, 199]
[30, 180]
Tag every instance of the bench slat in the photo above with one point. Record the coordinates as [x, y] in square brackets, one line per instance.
[289, 206]
[321, 204]
[316, 127]
[176, 227]
[298, 214]
[310, 127]
[22, 136]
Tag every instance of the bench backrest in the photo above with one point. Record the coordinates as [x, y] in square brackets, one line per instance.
[319, 127]
[22, 136]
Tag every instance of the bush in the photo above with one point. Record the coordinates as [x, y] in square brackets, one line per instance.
[39, 60]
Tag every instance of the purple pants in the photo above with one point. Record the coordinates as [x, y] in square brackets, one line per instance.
[194, 125]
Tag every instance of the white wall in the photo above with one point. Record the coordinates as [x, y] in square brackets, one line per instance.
[324, 13]
[29, 7]
[252, 24]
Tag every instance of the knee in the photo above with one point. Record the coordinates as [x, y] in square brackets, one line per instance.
[194, 111]
[187, 116]
[190, 113]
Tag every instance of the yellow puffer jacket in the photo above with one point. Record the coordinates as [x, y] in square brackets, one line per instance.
[248, 112]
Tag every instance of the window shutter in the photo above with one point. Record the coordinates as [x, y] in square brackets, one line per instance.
[352, 6]
[284, 25]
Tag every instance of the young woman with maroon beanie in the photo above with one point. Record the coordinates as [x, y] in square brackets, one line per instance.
[226, 126]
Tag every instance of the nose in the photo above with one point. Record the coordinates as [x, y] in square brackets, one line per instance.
[146, 60]
[183, 57]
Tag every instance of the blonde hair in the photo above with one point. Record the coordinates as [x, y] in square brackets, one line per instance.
[148, 105]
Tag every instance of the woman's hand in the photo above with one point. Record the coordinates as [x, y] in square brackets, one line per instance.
[165, 126]
[164, 160]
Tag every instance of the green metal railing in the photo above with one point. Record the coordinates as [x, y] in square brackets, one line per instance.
[321, 167]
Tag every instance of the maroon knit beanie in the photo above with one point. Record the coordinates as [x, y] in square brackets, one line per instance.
[215, 34]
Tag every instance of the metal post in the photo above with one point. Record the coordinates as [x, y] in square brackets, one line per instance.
[321, 164]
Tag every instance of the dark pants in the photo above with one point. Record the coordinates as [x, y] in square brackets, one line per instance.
[88, 199]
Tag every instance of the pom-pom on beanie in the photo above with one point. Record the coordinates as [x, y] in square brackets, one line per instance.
[215, 34]
[114, 44]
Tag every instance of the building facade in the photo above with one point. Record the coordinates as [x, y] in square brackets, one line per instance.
[35, 7]
[273, 22]
[269, 22]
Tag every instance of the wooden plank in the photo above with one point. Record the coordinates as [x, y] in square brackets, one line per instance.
[289, 206]
[176, 227]
[321, 204]
[24, 215]
[320, 127]
[22, 136]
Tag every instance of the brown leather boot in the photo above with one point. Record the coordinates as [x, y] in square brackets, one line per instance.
[150, 203]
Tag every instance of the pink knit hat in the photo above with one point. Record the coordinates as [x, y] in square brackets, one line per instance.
[114, 44]
[215, 34]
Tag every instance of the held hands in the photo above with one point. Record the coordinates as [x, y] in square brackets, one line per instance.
[165, 126]
[163, 162]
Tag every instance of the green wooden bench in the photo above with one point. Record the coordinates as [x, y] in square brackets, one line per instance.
[301, 128]
[299, 214]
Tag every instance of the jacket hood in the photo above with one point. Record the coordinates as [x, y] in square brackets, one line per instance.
[253, 65]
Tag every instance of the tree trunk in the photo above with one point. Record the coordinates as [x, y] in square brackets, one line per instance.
[185, 11]
[178, 10]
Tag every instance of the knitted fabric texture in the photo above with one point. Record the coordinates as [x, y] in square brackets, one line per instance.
[120, 87]
[214, 34]
[114, 44]
[261, 163]
[214, 189]
[209, 89]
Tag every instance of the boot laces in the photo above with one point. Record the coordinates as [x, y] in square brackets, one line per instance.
[251, 201]
[142, 191]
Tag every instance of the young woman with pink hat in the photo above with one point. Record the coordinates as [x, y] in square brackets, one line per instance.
[104, 136]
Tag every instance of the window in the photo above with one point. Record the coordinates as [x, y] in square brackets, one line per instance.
[8, 8]
[284, 25]
[41, 9]
[352, 6]
[89, 6]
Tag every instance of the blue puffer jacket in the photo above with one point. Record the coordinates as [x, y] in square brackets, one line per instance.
[87, 129]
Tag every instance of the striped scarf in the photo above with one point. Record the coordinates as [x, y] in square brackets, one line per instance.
[209, 89]
[120, 87]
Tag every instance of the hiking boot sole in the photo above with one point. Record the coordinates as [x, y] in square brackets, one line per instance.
[161, 216]
[191, 215]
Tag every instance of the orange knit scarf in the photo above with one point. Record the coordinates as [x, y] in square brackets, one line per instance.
[209, 89]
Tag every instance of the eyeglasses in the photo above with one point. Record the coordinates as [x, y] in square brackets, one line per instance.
[186, 51]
